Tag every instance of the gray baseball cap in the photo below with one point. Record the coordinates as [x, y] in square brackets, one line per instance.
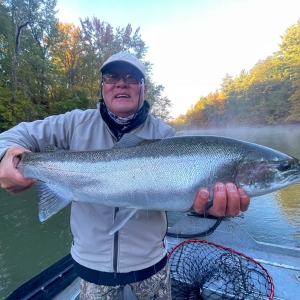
[126, 57]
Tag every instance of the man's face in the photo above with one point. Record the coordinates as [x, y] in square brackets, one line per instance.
[122, 98]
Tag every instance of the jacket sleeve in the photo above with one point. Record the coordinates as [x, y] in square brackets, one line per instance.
[35, 136]
[157, 129]
[171, 133]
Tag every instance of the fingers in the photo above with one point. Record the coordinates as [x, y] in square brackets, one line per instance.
[233, 200]
[245, 200]
[10, 178]
[219, 201]
[227, 200]
[200, 201]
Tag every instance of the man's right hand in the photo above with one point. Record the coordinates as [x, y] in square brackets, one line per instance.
[10, 178]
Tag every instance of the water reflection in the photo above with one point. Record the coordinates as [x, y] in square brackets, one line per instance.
[288, 200]
[27, 246]
[267, 222]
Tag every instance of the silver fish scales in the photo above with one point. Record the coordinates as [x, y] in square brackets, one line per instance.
[160, 174]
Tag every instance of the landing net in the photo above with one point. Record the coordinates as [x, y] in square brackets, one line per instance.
[204, 270]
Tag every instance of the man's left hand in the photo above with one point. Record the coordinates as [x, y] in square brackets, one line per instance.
[227, 201]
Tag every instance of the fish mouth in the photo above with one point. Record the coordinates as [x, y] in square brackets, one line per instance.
[292, 179]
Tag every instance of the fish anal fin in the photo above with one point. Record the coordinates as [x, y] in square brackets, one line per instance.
[51, 199]
[122, 217]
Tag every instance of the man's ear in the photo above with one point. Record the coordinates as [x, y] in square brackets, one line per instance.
[145, 90]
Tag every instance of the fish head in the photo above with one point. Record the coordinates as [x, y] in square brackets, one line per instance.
[265, 170]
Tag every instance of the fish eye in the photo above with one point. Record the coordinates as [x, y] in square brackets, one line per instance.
[285, 166]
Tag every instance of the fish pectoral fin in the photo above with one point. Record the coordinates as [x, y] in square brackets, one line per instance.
[131, 140]
[122, 217]
[51, 199]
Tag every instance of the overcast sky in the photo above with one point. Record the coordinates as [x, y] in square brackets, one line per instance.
[194, 43]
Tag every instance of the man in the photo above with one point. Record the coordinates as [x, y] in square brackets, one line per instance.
[136, 254]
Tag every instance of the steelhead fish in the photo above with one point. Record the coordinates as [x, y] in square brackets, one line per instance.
[162, 174]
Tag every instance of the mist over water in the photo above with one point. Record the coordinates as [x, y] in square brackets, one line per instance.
[282, 138]
[28, 246]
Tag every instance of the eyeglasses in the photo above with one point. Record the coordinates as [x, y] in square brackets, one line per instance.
[114, 78]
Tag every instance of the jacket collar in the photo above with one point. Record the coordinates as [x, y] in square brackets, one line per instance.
[119, 130]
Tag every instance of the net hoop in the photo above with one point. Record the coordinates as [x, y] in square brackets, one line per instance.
[190, 241]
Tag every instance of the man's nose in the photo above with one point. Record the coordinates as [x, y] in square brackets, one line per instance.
[121, 82]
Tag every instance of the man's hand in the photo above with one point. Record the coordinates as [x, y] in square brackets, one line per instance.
[228, 200]
[10, 178]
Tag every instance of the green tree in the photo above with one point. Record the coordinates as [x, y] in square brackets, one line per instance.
[288, 57]
[6, 46]
[33, 21]
[69, 89]
[39, 15]
[161, 108]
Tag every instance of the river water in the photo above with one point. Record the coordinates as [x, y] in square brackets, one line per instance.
[27, 246]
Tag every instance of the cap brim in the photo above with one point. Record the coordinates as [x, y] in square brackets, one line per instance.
[116, 62]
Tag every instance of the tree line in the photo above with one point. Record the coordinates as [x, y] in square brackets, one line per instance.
[48, 67]
[267, 94]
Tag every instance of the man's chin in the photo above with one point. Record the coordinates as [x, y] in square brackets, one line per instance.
[124, 109]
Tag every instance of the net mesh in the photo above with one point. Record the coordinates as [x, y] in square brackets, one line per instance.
[204, 270]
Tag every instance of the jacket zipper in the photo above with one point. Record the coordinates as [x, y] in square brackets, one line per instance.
[116, 234]
[116, 246]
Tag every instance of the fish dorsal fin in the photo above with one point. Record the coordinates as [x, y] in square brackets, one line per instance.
[131, 140]
[50, 148]
[122, 217]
